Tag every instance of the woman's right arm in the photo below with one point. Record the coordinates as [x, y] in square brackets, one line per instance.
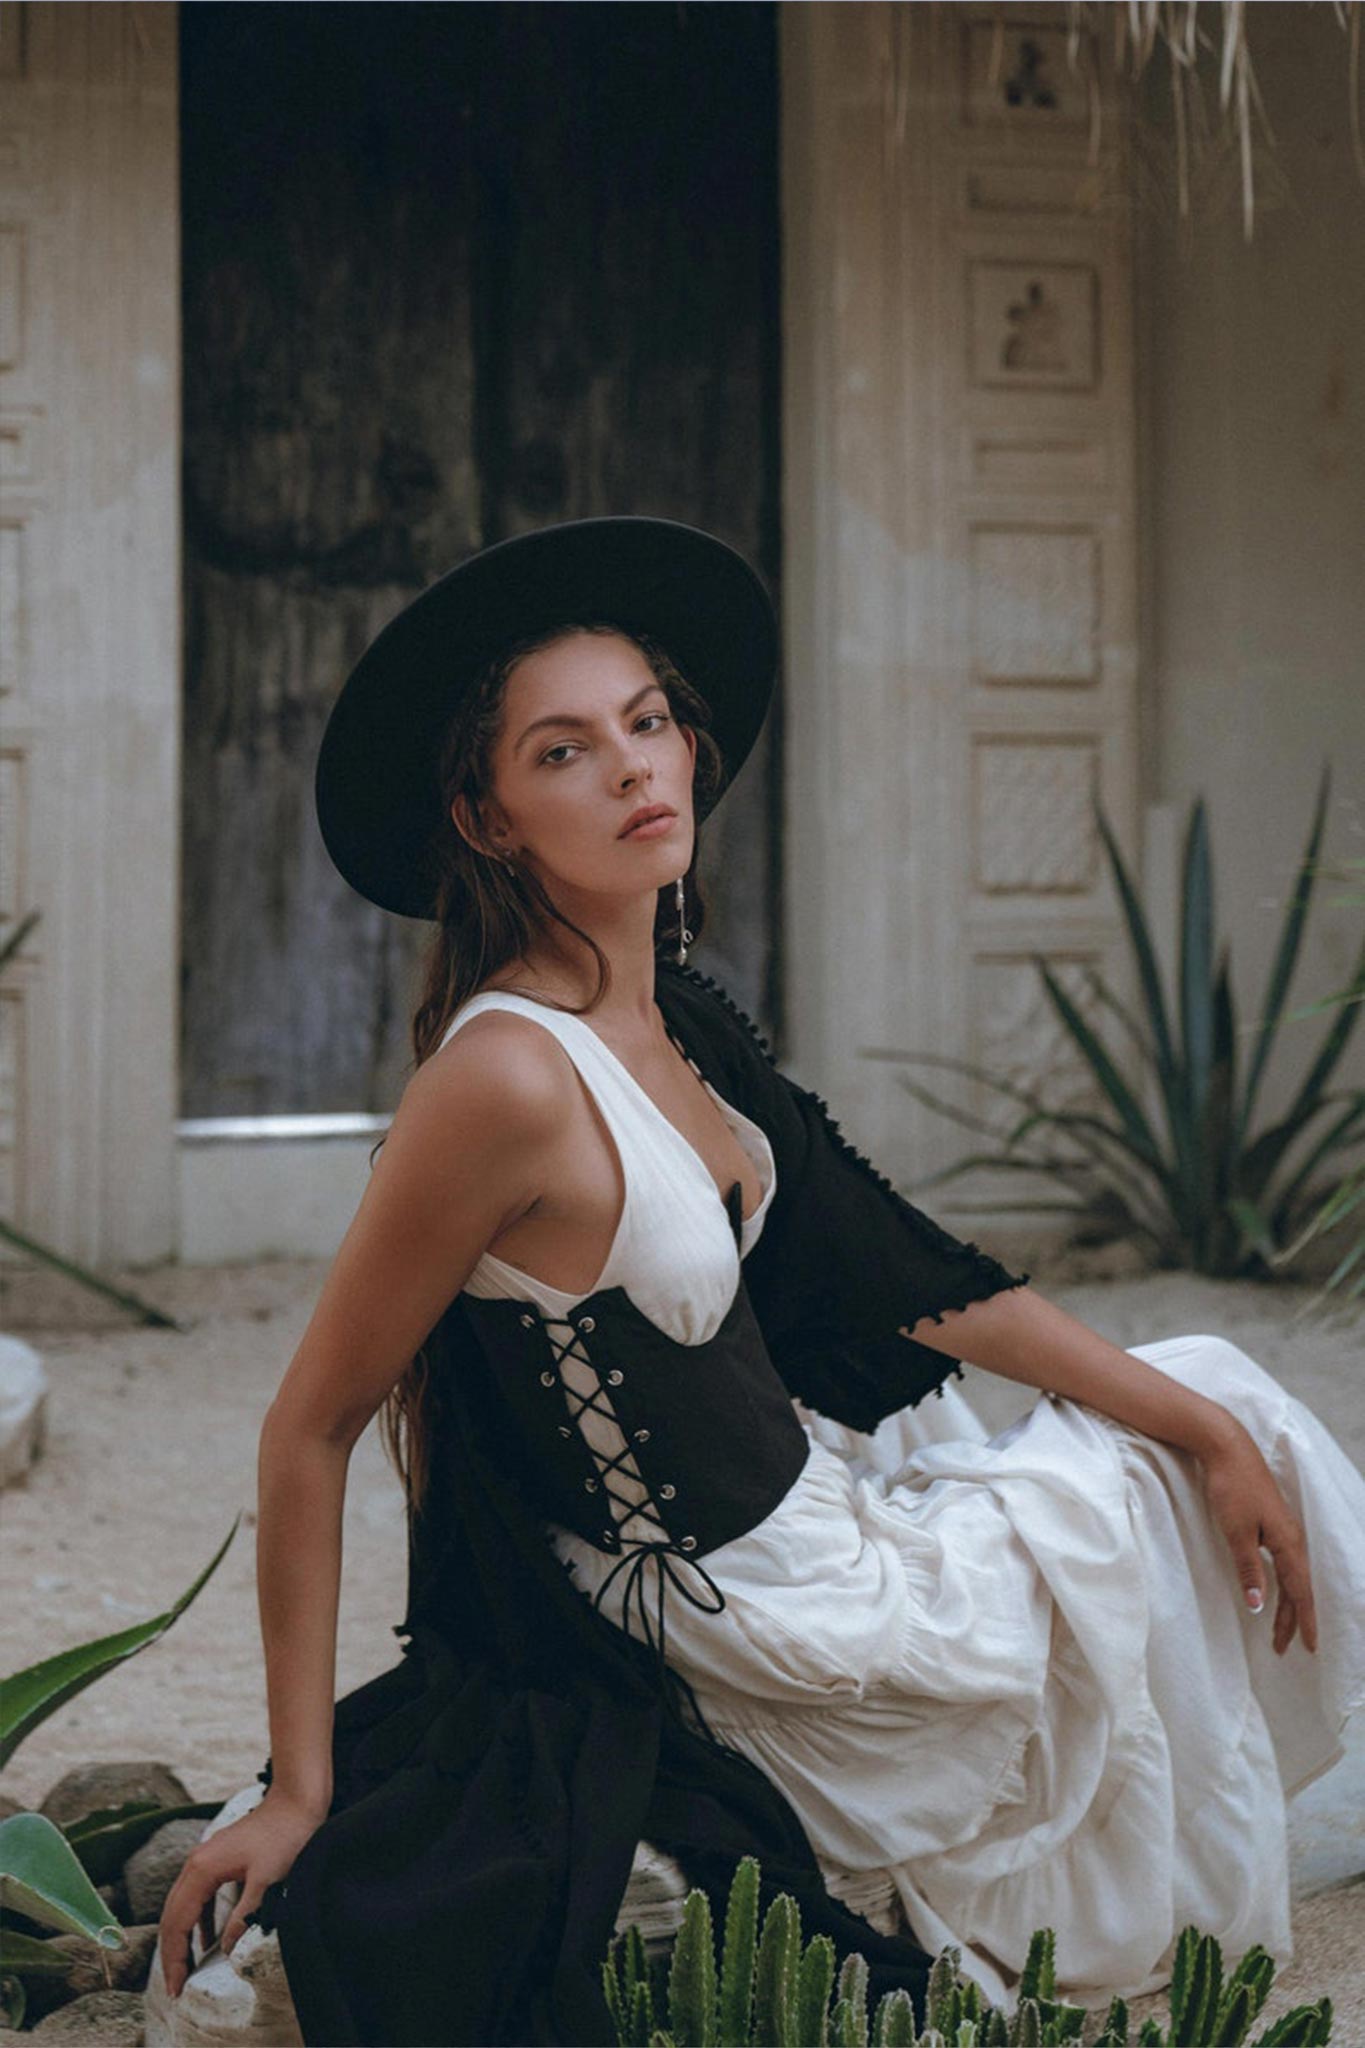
[463, 1159]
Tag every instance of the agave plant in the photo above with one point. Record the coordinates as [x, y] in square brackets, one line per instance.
[773, 1993]
[49, 1874]
[1173, 1154]
[1347, 1199]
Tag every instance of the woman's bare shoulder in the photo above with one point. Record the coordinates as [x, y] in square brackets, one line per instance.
[501, 1071]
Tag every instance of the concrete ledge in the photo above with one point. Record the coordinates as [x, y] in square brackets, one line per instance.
[270, 1187]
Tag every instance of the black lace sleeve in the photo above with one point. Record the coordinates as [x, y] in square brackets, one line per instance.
[845, 1266]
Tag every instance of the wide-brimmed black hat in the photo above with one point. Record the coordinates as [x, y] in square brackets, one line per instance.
[378, 795]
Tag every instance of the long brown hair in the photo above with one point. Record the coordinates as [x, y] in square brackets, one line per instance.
[487, 914]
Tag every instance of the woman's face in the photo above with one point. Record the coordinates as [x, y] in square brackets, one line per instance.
[588, 741]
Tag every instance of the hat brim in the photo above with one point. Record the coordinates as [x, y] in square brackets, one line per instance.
[378, 797]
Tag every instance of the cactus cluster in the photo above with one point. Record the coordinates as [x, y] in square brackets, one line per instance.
[772, 1991]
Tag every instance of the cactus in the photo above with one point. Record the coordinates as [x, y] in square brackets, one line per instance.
[640, 2023]
[814, 1982]
[1027, 2031]
[1114, 2032]
[1308, 2026]
[774, 1989]
[740, 1950]
[853, 1991]
[771, 1994]
[942, 1978]
[692, 1977]
[1039, 1979]
[1195, 1986]
[1251, 1980]
[893, 2023]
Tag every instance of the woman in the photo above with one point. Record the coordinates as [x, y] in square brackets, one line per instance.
[964, 1687]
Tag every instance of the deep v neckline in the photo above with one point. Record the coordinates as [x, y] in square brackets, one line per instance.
[731, 1207]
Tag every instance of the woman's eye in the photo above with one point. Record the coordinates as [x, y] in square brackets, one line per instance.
[563, 751]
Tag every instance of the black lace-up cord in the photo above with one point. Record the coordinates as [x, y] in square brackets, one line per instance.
[634, 1564]
[638, 1551]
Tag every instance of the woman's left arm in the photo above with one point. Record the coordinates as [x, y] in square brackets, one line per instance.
[1022, 1336]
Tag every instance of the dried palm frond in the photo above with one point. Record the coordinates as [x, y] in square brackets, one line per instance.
[1139, 28]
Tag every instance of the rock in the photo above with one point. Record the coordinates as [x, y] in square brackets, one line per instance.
[89, 1787]
[129, 1967]
[240, 1999]
[116, 1899]
[102, 2019]
[23, 1408]
[151, 1870]
[8, 1806]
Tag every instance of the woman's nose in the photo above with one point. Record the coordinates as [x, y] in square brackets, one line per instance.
[635, 766]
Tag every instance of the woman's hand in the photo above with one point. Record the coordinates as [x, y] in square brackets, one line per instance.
[1252, 1512]
[254, 1851]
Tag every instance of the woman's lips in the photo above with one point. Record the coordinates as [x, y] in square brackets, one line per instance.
[652, 828]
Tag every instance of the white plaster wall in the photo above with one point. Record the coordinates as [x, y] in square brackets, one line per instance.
[1253, 492]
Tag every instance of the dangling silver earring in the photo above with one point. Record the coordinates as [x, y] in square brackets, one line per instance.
[685, 937]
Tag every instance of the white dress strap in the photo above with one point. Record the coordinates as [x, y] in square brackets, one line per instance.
[674, 1251]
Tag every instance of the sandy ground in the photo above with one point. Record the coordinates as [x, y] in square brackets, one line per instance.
[151, 1452]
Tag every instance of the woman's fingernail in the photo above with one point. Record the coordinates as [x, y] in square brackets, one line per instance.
[1255, 1600]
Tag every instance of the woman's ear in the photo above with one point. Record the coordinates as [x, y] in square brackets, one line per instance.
[471, 828]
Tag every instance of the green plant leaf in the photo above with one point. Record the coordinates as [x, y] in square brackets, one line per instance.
[104, 1841]
[9, 946]
[13, 2002]
[1196, 961]
[1286, 956]
[29, 1956]
[41, 1877]
[29, 1696]
[1140, 1139]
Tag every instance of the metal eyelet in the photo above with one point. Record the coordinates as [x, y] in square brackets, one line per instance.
[615, 1378]
[667, 1492]
[547, 1379]
[565, 1429]
[642, 1436]
[587, 1324]
[589, 1486]
[687, 1543]
[528, 1322]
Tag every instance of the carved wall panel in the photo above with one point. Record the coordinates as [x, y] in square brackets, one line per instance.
[1032, 802]
[1034, 326]
[1016, 76]
[1035, 604]
[13, 602]
[13, 836]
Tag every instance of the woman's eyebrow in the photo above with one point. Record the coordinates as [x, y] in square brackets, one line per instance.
[572, 718]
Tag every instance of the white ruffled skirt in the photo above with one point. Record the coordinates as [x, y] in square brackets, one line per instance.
[1011, 1683]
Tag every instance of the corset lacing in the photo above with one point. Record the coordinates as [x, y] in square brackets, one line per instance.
[667, 1551]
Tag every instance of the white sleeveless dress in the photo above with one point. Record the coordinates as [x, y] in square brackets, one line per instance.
[1005, 1682]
